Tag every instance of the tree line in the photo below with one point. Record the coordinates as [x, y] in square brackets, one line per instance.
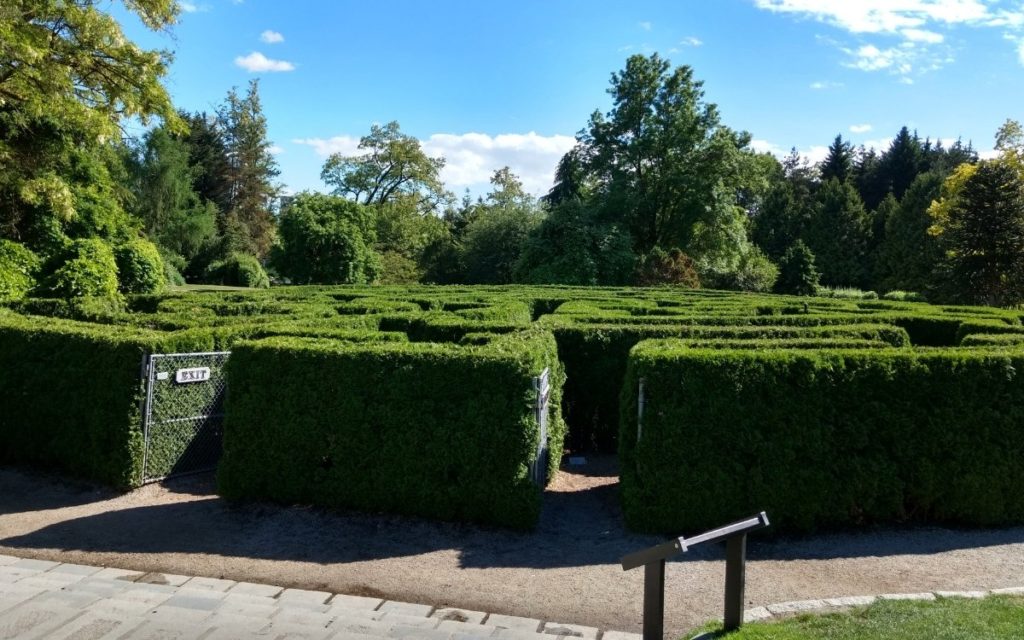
[657, 191]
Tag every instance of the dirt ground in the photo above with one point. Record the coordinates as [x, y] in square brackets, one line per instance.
[566, 571]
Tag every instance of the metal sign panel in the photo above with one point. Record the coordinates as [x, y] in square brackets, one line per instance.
[542, 387]
[195, 374]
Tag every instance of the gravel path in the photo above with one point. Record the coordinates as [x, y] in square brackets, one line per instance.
[567, 570]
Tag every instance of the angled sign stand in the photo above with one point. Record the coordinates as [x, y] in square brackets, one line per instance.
[653, 561]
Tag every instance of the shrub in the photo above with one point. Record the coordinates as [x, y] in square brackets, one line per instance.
[904, 296]
[72, 395]
[846, 293]
[434, 430]
[18, 268]
[238, 270]
[396, 268]
[821, 438]
[328, 240]
[672, 267]
[87, 268]
[797, 273]
[140, 268]
[595, 358]
[755, 272]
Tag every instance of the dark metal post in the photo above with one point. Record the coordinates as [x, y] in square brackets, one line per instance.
[654, 600]
[735, 570]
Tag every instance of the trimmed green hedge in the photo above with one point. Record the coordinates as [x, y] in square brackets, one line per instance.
[822, 438]
[595, 361]
[426, 429]
[71, 395]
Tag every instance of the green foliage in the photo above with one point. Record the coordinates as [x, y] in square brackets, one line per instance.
[839, 234]
[326, 239]
[448, 348]
[251, 173]
[798, 274]
[290, 437]
[755, 272]
[140, 269]
[70, 77]
[396, 268]
[909, 254]
[903, 296]
[984, 237]
[392, 166]
[87, 268]
[494, 243]
[172, 212]
[992, 618]
[18, 269]
[839, 163]
[664, 166]
[791, 433]
[238, 270]
[671, 267]
[848, 293]
[570, 246]
[667, 267]
[72, 395]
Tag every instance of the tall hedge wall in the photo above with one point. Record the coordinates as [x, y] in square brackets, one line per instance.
[71, 394]
[427, 429]
[595, 358]
[822, 438]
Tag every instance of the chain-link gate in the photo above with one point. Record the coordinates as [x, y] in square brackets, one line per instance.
[183, 413]
[542, 387]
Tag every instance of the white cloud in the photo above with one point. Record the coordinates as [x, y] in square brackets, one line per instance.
[883, 16]
[898, 60]
[922, 35]
[691, 41]
[471, 158]
[271, 37]
[813, 154]
[190, 7]
[275, 149]
[822, 85]
[1020, 51]
[860, 128]
[345, 145]
[256, 61]
[646, 26]
[915, 23]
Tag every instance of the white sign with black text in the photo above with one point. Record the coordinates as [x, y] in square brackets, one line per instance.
[196, 374]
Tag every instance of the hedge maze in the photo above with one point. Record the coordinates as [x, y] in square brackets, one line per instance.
[422, 400]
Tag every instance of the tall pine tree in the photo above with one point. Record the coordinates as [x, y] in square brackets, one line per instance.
[839, 163]
[908, 255]
[248, 222]
[839, 235]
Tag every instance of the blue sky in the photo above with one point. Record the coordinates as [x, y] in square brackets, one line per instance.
[488, 84]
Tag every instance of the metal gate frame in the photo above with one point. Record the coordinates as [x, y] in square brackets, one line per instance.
[151, 378]
[542, 387]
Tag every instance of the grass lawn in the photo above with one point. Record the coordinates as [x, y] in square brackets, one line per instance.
[994, 618]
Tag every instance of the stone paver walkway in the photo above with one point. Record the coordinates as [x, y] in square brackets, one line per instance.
[41, 599]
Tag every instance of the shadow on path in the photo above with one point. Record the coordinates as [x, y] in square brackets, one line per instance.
[580, 525]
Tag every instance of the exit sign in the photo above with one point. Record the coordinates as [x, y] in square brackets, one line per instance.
[196, 374]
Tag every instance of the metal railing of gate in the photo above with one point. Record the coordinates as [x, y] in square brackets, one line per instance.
[542, 390]
[183, 413]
